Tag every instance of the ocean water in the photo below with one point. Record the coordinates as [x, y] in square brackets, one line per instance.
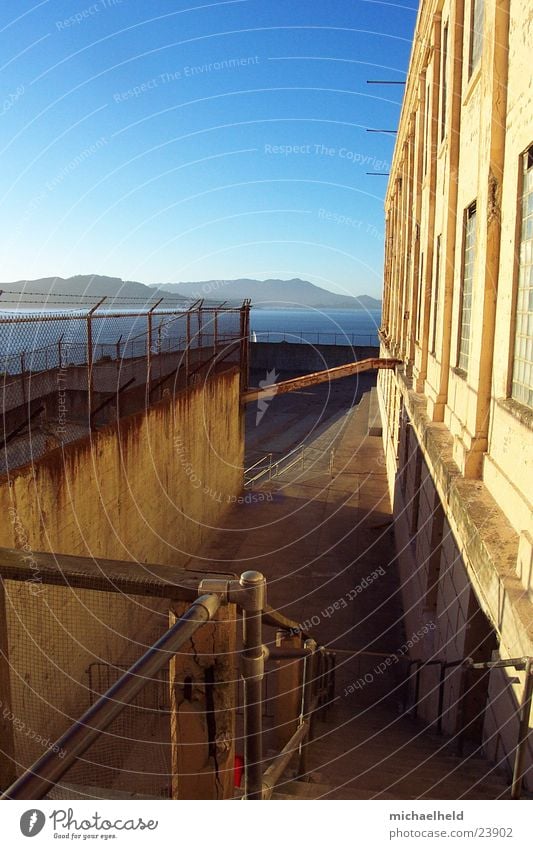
[326, 327]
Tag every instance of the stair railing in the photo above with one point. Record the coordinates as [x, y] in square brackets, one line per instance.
[274, 467]
[317, 680]
[467, 665]
[249, 594]
[45, 773]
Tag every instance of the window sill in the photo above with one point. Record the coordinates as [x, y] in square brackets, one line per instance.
[517, 410]
[460, 372]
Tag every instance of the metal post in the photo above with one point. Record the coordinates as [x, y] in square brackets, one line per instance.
[252, 670]
[440, 709]
[523, 731]
[417, 688]
[307, 701]
[215, 333]
[461, 710]
[149, 344]
[23, 378]
[90, 359]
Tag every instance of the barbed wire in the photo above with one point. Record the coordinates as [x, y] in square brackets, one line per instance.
[24, 298]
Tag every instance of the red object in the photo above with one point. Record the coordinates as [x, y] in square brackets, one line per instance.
[238, 770]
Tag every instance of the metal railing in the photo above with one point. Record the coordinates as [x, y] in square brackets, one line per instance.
[317, 337]
[249, 594]
[468, 665]
[274, 467]
[271, 468]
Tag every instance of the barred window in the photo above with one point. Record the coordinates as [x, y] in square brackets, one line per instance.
[522, 383]
[419, 298]
[444, 82]
[436, 293]
[466, 288]
[426, 131]
[476, 34]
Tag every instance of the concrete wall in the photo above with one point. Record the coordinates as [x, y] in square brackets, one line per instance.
[149, 489]
[293, 356]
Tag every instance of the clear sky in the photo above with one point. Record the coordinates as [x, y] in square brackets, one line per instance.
[161, 140]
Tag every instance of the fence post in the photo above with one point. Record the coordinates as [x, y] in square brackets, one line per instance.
[187, 347]
[90, 358]
[200, 328]
[149, 344]
[244, 338]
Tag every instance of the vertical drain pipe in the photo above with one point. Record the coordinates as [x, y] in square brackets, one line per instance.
[523, 732]
[252, 670]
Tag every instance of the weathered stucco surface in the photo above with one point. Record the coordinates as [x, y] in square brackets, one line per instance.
[459, 450]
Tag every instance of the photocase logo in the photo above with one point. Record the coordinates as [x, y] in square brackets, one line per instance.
[32, 822]
[263, 402]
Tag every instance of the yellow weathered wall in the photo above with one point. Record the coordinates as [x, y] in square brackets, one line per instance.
[149, 490]
[136, 492]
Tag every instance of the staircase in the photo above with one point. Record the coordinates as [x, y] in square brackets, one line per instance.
[374, 753]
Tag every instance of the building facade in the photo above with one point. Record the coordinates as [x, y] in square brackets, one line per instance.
[458, 311]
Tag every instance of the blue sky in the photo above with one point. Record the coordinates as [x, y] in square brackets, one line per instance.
[159, 140]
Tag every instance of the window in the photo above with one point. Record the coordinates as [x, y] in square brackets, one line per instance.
[476, 34]
[426, 131]
[444, 81]
[419, 304]
[435, 297]
[522, 383]
[466, 287]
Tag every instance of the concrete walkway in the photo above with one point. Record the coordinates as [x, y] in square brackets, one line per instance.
[323, 538]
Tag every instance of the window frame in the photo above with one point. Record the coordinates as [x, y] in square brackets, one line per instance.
[525, 156]
[476, 36]
[469, 213]
[444, 81]
[436, 292]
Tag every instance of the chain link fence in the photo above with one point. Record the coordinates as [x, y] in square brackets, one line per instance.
[63, 374]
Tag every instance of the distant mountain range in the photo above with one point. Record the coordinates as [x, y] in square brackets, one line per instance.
[84, 289]
[270, 293]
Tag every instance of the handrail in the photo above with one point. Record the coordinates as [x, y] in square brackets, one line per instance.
[248, 593]
[271, 466]
[467, 664]
[249, 469]
[298, 337]
[262, 472]
[37, 781]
